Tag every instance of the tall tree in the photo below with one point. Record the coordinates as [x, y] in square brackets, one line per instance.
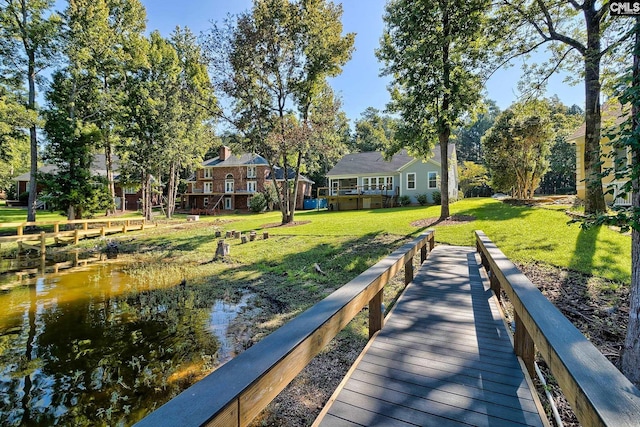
[373, 131]
[153, 115]
[28, 34]
[197, 106]
[436, 75]
[579, 35]
[517, 148]
[274, 63]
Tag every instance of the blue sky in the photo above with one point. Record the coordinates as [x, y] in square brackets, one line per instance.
[360, 85]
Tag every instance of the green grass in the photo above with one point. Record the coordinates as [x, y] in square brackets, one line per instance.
[525, 234]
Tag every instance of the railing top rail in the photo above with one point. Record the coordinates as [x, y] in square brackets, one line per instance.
[241, 381]
[598, 393]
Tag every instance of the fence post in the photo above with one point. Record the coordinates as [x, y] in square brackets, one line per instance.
[76, 236]
[423, 252]
[376, 318]
[43, 244]
[408, 271]
[523, 346]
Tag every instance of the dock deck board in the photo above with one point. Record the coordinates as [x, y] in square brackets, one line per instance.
[443, 357]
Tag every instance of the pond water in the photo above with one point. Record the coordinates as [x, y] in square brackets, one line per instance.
[95, 347]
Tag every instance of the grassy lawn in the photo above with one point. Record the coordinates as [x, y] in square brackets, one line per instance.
[524, 234]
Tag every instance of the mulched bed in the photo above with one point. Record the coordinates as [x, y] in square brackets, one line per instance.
[452, 220]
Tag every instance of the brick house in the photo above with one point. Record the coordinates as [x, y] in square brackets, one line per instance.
[228, 182]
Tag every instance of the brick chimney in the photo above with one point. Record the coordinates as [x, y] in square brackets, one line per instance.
[225, 152]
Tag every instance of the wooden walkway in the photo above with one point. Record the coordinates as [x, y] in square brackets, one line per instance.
[443, 358]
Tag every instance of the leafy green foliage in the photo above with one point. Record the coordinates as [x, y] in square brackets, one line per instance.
[258, 203]
[404, 200]
[473, 178]
[422, 199]
[470, 133]
[373, 132]
[517, 148]
[437, 197]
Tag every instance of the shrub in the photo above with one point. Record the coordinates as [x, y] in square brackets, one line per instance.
[404, 200]
[437, 197]
[258, 203]
[422, 199]
[24, 197]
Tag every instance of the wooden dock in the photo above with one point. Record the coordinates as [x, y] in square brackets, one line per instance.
[443, 358]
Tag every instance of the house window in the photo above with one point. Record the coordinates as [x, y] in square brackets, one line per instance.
[251, 171]
[206, 202]
[130, 190]
[432, 180]
[251, 186]
[207, 173]
[389, 183]
[208, 187]
[228, 184]
[411, 181]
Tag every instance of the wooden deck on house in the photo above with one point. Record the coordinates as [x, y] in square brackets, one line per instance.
[443, 358]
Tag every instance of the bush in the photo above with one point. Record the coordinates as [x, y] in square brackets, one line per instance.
[460, 195]
[422, 199]
[437, 197]
[24, 197]
[258, 203]
[404, 200]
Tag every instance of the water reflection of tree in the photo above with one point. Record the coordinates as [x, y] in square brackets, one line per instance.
[101, 357]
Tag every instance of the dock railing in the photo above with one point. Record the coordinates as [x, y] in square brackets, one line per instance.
[598, 393]
[238, 391]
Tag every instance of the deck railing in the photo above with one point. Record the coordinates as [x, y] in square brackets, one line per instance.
[237, 391]
[598, 393]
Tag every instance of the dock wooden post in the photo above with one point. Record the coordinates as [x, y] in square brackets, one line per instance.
[265, 234]
[376, 318]
[523, 346]
[43, 244]
[76, 236]
[423, 254]
[408, 272]
[495, 284]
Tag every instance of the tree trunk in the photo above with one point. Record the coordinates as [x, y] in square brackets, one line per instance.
[171, 190]
[444, 125]
[594, 196]
[108, 161]
[630, 361]
[33, 138]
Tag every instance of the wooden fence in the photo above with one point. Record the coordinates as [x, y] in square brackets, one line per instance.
[236, 392]
[598, 393]
[87, 228]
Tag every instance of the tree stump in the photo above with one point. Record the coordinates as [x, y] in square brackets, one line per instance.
[265, 235]
[218, 233]
[222, 250]
[236, 234]
[252, 236]
[243, 239]
[229, 234]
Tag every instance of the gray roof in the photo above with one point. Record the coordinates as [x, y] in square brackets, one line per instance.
[291, 173]
[374, 162]
[234, 160]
